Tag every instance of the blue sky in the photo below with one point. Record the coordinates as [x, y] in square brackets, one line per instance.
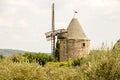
[24, 22]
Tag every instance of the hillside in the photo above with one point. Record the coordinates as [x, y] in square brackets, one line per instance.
[7, 52]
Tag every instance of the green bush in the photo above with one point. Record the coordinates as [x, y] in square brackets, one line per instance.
[101, 65]
[17, 58]
[1, 56]
[98, 65]
[40, 58]
[77, 62]
[117, 46]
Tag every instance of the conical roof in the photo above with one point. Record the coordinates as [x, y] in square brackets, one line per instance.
[75, 31]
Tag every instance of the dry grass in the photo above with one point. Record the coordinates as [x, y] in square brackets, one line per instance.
[99, 65]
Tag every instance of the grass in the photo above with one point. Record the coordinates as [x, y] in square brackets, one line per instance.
[98, 65]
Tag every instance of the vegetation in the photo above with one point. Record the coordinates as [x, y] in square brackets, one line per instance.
[98, 65]
[1, 56]
[117, 46]
[28, 57]
[57, 51]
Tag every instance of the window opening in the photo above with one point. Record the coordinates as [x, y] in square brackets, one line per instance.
[83, 45]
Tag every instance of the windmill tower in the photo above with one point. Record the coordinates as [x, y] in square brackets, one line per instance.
[51, 34]
[73, 41]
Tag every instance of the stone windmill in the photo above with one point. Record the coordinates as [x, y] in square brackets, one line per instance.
[73, 41]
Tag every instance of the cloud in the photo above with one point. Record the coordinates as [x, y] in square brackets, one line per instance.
[24, 22]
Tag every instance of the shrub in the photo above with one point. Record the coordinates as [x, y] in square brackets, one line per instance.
[98, 65]
[1, 56]
[40, 58]
[77, 62]
[17, 58]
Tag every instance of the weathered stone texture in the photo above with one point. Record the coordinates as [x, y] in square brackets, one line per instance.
[72, 49]
[73, 44]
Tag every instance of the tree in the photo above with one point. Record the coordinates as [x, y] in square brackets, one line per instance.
[57, 50]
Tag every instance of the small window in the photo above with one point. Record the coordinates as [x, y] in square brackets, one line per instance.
[83, 45]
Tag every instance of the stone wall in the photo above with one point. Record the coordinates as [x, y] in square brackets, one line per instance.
[63, 52]
[72, 49]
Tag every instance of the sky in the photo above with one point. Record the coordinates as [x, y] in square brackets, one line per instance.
[23, 23]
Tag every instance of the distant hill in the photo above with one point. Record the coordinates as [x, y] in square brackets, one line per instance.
[7, 52]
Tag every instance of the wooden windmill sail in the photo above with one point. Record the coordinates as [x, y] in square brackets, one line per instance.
[51, 34]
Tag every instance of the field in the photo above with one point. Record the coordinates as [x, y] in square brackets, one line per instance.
[99, 65]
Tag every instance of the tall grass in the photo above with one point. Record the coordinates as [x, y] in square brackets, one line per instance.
[98, 65]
